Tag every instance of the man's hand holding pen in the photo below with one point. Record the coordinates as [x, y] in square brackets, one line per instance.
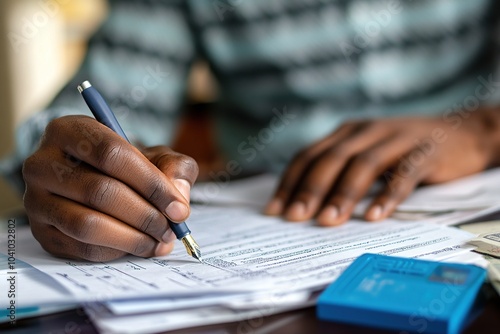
[91, 195]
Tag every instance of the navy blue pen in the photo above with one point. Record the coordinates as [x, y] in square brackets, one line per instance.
[102, 112]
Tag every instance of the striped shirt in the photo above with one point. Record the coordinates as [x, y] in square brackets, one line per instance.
[290, 71]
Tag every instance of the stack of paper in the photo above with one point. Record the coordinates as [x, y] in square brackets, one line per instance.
[253, 266]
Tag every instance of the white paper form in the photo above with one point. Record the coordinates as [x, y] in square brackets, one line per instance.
[245, 251]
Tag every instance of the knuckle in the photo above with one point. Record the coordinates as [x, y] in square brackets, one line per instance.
[155, 191]
[188, 165]
[150, 223]
[108, 155]
[54, 127]
[84, 226]
[61, 125]
[181, 166]
[99, 193]
[368, 158]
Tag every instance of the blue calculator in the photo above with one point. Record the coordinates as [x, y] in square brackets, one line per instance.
[403, 294]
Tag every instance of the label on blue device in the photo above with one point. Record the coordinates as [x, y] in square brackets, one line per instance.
[403, 294]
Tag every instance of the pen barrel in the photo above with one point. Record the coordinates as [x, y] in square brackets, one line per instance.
[180, 230]
[101, 110]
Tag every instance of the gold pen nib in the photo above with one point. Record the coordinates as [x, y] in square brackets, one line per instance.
[192, 247]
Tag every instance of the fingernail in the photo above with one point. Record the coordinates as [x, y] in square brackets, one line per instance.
[328, 215]
[297, 211]
[163, 249]
[274, 208]
[168, 236]
[184, 188]
[374, 213]
[177, 211]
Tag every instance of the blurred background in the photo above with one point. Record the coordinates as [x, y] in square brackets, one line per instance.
[42, 43]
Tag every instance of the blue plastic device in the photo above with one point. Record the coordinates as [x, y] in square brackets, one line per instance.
[403, 294]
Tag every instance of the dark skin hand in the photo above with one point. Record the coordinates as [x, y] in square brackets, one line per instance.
[91, 195]
[326, 180]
